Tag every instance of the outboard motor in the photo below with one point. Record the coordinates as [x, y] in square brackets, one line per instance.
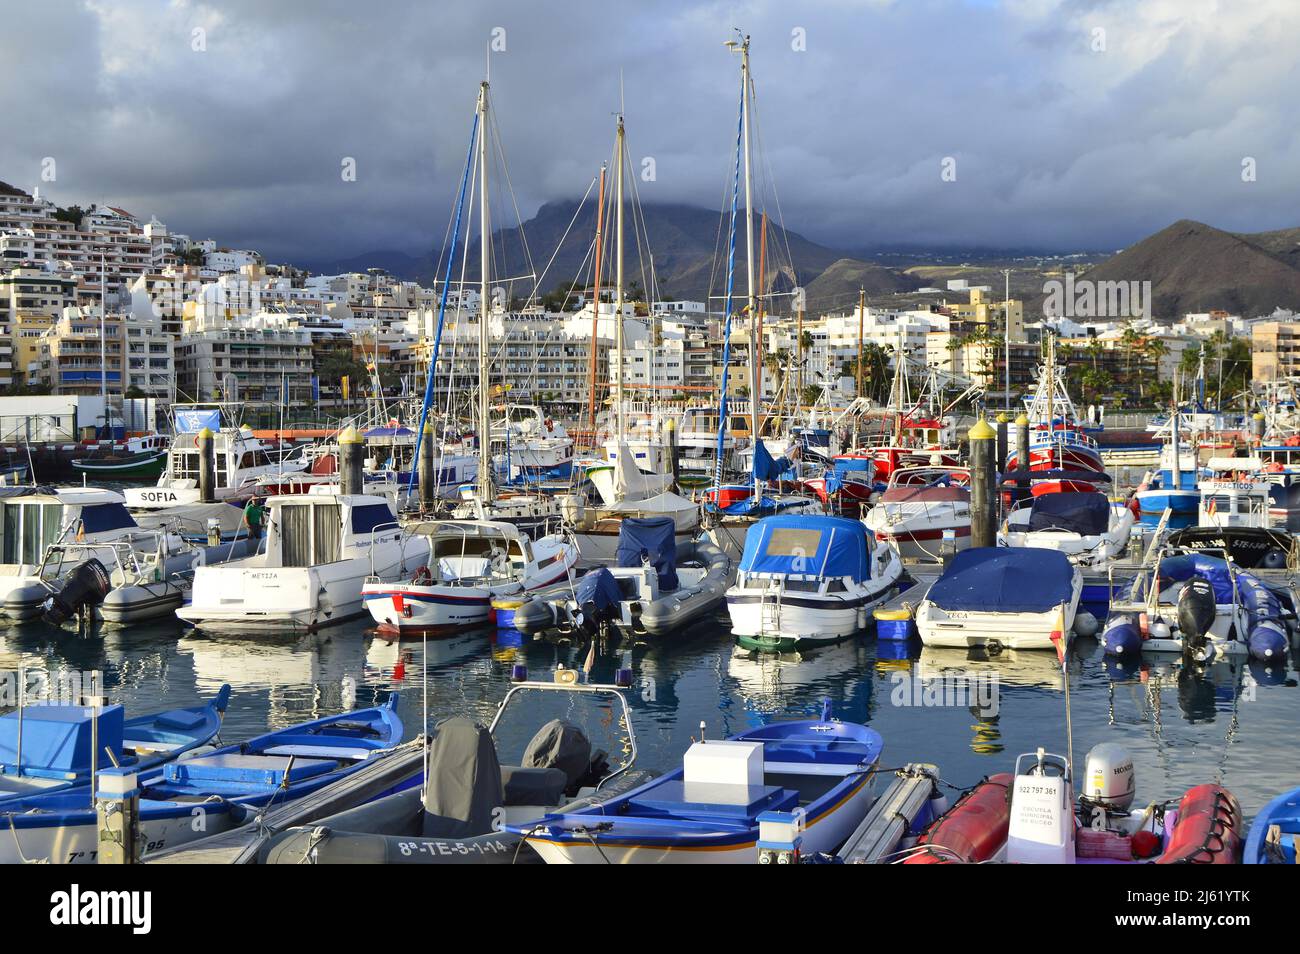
[1196, 612]
[1108, 778]
[86, 586]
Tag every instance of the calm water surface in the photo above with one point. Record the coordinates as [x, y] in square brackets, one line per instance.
[1234, 723]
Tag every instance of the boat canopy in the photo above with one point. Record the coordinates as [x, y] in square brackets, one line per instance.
[1081, 512]
[1004, 580]
[375, 432]
[808, 545]
[653, 539]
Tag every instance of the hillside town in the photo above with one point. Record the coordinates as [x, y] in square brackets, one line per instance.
[102, 302]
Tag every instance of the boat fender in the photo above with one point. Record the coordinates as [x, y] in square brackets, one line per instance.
[1267, 641]
[1208, 829]
[1121, 637]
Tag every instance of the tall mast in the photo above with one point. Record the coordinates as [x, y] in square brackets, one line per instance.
[618, 291]
[595, 305]
[754, 378]
[485, 233]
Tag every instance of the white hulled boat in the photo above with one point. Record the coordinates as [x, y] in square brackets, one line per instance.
[320, 549]
[808, 580]
[1001, 597]
[471, 563]
[1084, 525]
[922, 510]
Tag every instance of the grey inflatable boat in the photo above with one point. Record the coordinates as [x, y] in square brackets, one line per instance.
[459, 815]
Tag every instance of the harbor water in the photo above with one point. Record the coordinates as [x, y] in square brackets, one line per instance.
[971, 717]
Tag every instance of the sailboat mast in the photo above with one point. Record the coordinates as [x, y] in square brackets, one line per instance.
[618, 292]
[595, 305]
[485, 233]
[754, 378]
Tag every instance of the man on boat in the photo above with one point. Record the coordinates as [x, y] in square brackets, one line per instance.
[254, 514]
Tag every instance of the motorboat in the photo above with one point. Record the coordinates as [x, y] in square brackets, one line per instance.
[649, 592]
[320, 550]
[32, 519]
[1083, 525]
[809, 580]
[1001, 597]
[923, 511]
[596, 529]
[528, 443]
[471, 563]
[1201, 605]
[813, 776]
[458, 812]
[147, 575]
[1031, 816]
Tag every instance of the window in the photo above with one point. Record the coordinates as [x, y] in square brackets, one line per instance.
[102, 517]
[366, 518]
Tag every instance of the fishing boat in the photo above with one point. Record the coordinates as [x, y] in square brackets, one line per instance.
[33, 519]
[1057, 439]
[921, 510]
[1001, 598]
[1201, 605]
[471, 563]
[1272, 836]
[223, 788]
[1173, 486]
[1083, 525]
[455, 814]
[320, 550]
[1248, 547]
[650, 592]
[45, 749]
[817, 774]
[135, 458]
[1032, 817]
[809, 580]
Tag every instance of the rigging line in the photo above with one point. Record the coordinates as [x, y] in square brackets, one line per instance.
[510, 189]
[442, 309]
[556, 254]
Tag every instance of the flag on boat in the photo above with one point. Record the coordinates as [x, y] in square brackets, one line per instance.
[1058, 636]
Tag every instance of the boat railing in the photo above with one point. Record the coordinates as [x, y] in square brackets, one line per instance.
[582, 688]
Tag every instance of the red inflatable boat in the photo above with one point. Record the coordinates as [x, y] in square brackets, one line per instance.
[1207, 830]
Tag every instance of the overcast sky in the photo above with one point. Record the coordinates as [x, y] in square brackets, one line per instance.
[1063, 136]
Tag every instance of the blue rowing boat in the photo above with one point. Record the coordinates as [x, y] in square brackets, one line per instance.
[815, 777]
[53, 755]
[189, 799]
[1273, 833]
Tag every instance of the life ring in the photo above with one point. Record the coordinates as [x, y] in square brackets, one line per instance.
[423, 577]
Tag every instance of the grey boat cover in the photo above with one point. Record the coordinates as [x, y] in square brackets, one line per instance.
[560, 745]
[463, 780]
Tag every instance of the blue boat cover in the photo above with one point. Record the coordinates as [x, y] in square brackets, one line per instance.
[1084, 513]
[652, 538]
[808, 545]
[57, 739]
[1181, 568]
[765, 468]
[1004, 580]
[388, 432]
[599, 588]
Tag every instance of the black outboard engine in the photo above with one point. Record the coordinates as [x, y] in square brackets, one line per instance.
[86, 586]
[1196, 612]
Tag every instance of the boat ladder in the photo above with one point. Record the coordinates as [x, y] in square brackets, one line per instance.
[770, 607]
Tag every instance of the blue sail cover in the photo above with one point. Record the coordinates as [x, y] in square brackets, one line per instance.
[652, 538]
[1004, 580]
[807, 545]
[765, 468]
[1084, 513]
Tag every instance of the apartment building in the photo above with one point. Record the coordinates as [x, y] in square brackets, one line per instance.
[263, 359]
[1275, 350]
[80, 354]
